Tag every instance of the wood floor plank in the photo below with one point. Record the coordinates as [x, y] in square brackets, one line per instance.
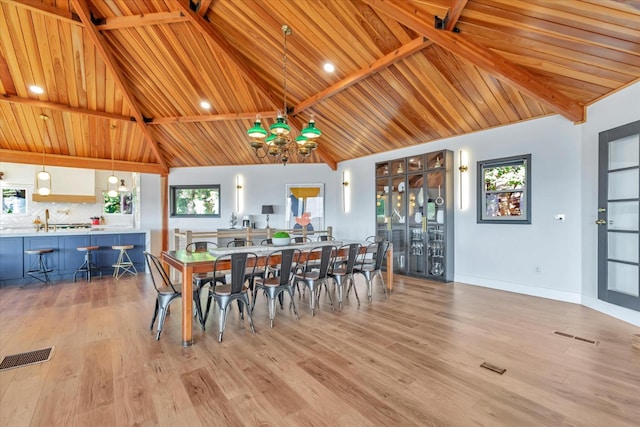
[411, 359]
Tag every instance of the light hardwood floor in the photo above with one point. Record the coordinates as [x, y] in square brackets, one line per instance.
[413, 360]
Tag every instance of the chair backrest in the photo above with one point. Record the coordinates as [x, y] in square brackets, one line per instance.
[155, 267]
[353, 249]
[325, 238]
[301, 239]
[327, 253]
[200, 246]
[242, 265]
[236, 243]
[381, 251]
[266, 242]
[374, 239]
[285, 261]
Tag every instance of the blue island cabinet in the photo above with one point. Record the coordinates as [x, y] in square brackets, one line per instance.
[51, 259]
[69, 257]
[11, 259]
[105, 257]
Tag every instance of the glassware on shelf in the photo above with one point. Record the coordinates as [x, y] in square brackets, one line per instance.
[437, 269]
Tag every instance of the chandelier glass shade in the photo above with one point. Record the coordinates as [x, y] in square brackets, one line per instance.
[43, 178]
[278, 142]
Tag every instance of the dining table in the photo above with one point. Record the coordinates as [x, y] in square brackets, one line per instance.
[187, 263]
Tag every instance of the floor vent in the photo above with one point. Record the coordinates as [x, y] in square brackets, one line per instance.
[587, 340]
[28, 358]
[493, 368]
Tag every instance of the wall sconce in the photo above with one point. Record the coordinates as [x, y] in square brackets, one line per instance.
[122, 187]
[346, 192]
[238, 194]
[463, 181]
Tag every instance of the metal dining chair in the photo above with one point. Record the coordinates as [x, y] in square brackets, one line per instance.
[282, 263]
[372, 267]
[243, 265]
[200, 280]
[314, 275]
[341, 272]
[166, 291]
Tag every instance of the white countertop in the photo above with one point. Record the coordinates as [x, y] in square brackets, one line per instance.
[30, 232]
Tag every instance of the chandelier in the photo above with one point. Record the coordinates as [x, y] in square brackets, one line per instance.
[280, 144]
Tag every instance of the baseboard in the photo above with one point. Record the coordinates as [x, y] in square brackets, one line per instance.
[520, 289]
[624, 314]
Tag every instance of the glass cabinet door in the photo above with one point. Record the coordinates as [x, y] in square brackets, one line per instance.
[435, 221]
[417, 224]
[382, 208]
[398, 221]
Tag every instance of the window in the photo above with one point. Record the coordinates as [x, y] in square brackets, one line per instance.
[504, 190]
[121, 204]
[14, 201]
[195, 200]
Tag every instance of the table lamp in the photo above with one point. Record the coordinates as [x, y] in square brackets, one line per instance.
[267, 209]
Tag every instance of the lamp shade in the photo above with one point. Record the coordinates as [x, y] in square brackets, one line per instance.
[267, 209]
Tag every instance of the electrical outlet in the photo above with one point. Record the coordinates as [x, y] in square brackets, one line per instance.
[559, 218]
[537, 269]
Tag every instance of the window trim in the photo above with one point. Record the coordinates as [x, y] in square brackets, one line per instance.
[525, 217]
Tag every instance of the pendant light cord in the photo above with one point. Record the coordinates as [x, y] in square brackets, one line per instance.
[286, 31]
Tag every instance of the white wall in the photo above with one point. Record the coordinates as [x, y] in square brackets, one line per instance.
[151, 210]
[262, 185]
[564, 180]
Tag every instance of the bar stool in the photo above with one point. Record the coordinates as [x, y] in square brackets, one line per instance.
[87, 266]
[38, 269]
[123, 264]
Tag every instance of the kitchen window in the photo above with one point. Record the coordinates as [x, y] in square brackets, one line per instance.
[122, 204]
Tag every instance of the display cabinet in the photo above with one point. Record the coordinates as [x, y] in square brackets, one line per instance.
[414, 210]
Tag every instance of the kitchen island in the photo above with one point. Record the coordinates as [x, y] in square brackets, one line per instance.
[65, 258]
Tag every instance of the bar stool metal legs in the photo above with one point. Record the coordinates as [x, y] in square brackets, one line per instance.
[123, 264]
[87, 266]
[38, 269]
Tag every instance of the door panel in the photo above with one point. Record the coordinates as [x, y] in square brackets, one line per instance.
[619, 216]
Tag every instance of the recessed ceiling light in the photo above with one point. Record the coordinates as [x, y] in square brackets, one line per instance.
[36, 89]
[329, 68]
[205, 104]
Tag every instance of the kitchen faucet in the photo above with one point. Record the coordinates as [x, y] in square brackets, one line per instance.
[46, 220]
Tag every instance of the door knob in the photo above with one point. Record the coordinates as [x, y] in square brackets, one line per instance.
[601, 221]
[602, 209]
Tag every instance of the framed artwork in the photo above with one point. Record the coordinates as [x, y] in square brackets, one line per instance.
[14, 201]
[504, 190]
[195, 200]
[304, 206]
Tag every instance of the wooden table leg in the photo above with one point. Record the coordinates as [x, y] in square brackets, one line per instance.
[187, 306]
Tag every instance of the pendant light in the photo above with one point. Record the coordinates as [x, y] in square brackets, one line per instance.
[112, 181]
[43, 178]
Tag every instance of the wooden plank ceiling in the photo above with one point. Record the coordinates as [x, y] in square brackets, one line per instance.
[401, 78]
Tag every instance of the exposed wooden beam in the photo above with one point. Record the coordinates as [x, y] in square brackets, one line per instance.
[46, 9]
[203, 7]
[82, 9]
[211, 117]
[12, 156]
[5, 76]
[398, 54]
[481, 57]
[457, 6]
[62, 107]
[119, 22]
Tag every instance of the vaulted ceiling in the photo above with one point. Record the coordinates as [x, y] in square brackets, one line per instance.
[407, 72]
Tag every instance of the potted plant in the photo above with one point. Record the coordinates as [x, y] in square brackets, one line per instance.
[281, 238]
